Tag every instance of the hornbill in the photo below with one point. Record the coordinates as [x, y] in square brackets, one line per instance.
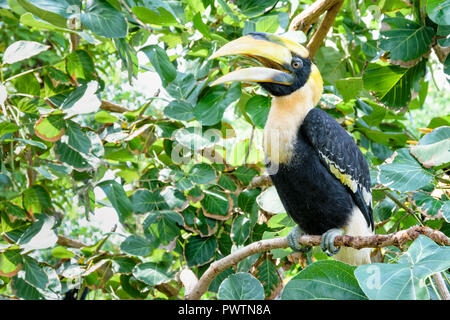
[321, 176]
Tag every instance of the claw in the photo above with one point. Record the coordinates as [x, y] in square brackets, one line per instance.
[292, 240]
[327, 243]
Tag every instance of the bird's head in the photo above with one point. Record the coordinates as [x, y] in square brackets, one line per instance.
[286, 65]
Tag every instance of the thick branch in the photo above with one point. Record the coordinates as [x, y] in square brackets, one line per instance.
[317, 39]
[375, 241]
[310, 15]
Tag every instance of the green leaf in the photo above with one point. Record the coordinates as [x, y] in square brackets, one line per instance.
[179, 110]
[245, 174]
[199, 251]
[78, 140]
[216, 204]
[145, 201]
[427, 204]
[210, 109]
[161, 62]
[241, 286]
[80, 65]
[439, 11]
[393, 84]
[252, 8]
[257, 108]
[50, 128]
[434, 148]
[103, 19]
[406, 40]
[406, 279]
[34, 275]
[10, 263]
[7, 127]
[40, 235]
[202, 173]
[331, 63]
[404, 173]
[158, 14]
[71, 157]
[33, 143]
[136, 246]
[151, 274]
[268, 275]
[21, 50]
[349, 88]
[324, 279]
[53, 11]
[105, 117]
[62, 253]
[82, 100]
[240, 230]
[167, 224]
[269, 201]
[118, 198]
[36, 199]
[25, 291]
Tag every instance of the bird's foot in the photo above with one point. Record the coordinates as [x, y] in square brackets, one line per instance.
[327, 243]
[292, 240]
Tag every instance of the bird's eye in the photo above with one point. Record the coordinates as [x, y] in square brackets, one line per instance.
[297, 64]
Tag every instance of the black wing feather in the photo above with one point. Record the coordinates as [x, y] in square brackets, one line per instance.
[341, 156]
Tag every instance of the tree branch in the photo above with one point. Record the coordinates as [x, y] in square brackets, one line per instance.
[375, 241]
[307, 17]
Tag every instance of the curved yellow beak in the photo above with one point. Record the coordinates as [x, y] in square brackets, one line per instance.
[274, 52]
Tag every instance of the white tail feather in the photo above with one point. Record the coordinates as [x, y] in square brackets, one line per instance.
[357, 226]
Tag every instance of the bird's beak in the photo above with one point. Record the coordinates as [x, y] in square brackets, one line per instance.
[273, 52]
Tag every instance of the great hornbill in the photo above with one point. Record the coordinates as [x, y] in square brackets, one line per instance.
[321, 176]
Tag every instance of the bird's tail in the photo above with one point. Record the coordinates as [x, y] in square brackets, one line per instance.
[357, 226]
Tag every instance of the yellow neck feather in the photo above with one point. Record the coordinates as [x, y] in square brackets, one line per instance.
[286, 115]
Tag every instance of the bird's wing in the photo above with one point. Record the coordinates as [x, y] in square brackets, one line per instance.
[341, 156]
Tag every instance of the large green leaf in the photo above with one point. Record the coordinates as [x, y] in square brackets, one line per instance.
[406, 40]
[404, 280]
[50, 128]
[136, 246]
[202, 173]
[241, 286]
[103, 19]
[78, 140]
[439, 11]
[167, 224]
[82, 100]
[324, 279]
[54, 11]
[179, 110]
[393, 84]
[331, 63]
[151, 274]
[404, 173]
[145, 201]
[161, 62]
[156, 13]
[34, 275]
[434, 148]
[199, 251]
[216, 204]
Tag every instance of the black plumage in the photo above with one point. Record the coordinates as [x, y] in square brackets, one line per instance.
[314, 197]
